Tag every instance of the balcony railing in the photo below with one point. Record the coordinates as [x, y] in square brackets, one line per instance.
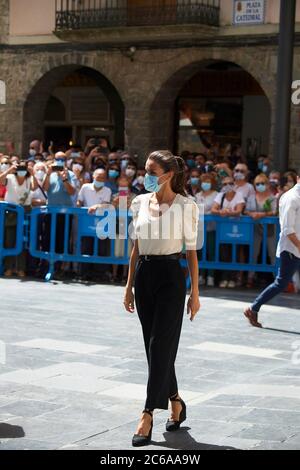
[94, 14]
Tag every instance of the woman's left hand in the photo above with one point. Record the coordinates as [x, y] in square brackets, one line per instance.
[193, 306]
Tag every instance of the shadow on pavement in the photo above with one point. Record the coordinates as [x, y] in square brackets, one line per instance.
[182, 440]
[8, 431]
[247, 296]
[282, 331]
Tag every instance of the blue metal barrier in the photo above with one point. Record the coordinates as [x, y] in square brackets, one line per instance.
[239, 231]
[229, 231]
[5, 210]
[84, 225]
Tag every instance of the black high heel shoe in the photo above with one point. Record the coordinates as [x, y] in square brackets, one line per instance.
[174, 425]
[139, 440]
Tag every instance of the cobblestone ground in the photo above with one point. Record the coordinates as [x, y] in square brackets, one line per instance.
[75, 371]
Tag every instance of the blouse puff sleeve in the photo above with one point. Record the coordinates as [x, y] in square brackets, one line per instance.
[190, 224]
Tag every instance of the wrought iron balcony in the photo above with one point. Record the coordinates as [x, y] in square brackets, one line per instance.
[96, 14]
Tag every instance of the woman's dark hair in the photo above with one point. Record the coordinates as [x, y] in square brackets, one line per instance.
[169, 162]
[292, 174]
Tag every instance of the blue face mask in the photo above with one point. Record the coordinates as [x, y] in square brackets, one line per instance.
[151, 183]
[190, 163]
[260, 165]
[261, 188]
[206, 186]
[113, 173]
[98, 184]
[60, 163]
[194, 181]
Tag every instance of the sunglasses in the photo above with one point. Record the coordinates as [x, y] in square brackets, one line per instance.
[238, 170]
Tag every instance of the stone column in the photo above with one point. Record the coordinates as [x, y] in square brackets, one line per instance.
[4, 21]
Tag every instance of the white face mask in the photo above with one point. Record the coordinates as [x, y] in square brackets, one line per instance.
[5, 166]
[77, 166]
[129, 172]
[32, 152]
[40, 174]
[227, 188]
[239, 176]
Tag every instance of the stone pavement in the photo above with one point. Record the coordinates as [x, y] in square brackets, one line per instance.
[75, 371]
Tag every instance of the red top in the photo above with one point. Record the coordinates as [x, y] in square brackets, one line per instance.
[2, 191]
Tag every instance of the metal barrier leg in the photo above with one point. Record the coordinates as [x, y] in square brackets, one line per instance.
[50, 273]
[1, 265]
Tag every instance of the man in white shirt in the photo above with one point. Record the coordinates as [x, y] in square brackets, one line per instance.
[288, 250]
[92, 195]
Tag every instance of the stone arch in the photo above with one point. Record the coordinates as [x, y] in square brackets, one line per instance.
[41, 85]
[162, 108]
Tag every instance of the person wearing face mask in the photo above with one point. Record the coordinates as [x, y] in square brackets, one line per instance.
[159, 281]
[263, 204]
[113, 159]
[288, 252]
[190, 161]
[39, 196]
[206, 198]
[59, 183]
[113, 174]
[4, 166]
[260, 163]
[20, 182]
[240, 175]
[200, 161]
[95, 159]
[60, 186]
[38, 267]
[291, 180]
[274, 181]
[124, 160]
[138, 186]
[82, 176]
[94, 196]
[130, 171]
[228, 203]
[122, 199]
[34, 149]
[193, 185]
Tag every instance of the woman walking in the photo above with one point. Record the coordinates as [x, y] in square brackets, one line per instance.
[159, 282]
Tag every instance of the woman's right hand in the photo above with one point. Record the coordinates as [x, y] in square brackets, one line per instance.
[129, 300]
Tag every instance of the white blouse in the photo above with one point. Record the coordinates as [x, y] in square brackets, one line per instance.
[175, 229]
[18, 193]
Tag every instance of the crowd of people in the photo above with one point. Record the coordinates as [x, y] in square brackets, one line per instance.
[89, 177]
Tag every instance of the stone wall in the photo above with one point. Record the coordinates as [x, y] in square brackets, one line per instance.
[147, 86]
[4, 21]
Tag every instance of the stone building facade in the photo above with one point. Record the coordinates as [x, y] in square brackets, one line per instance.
[146, 84]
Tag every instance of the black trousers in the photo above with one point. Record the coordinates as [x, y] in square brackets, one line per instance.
[160, 290]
